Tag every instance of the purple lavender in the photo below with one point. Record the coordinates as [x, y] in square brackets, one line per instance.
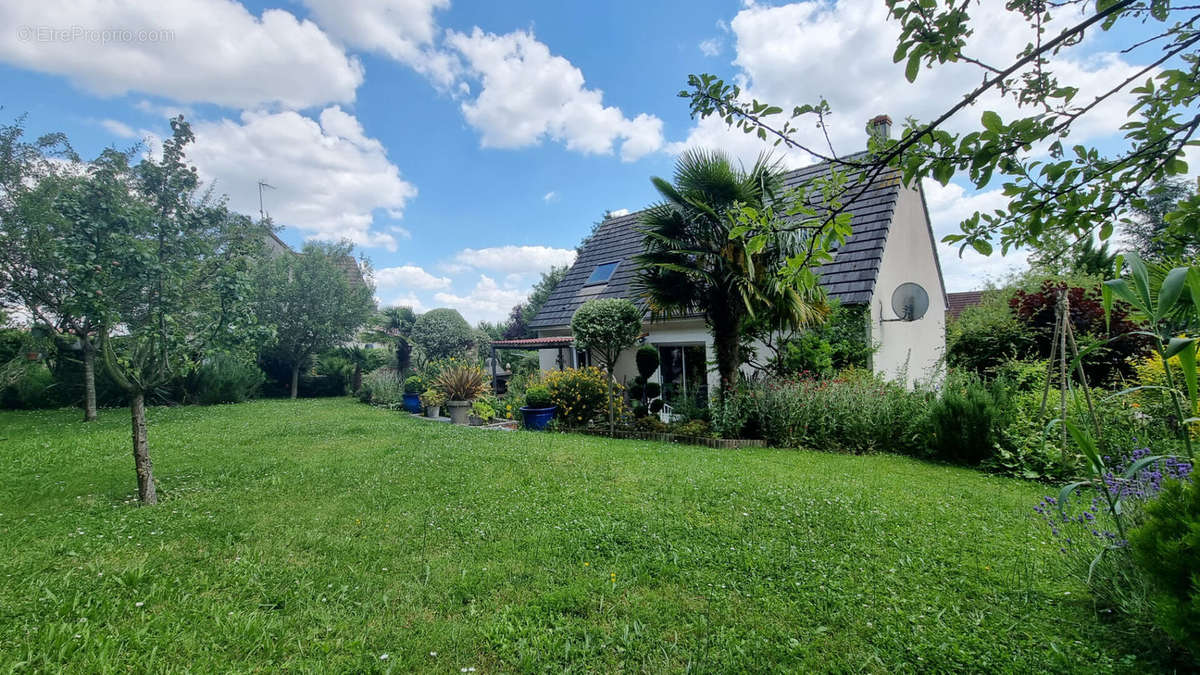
[1132, 492]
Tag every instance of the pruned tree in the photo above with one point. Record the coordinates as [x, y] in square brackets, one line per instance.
[442, 333]
[179, 284]
[605, 328]
[311, 302]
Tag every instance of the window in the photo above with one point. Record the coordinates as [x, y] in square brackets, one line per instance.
[683, 371]
[602, 273]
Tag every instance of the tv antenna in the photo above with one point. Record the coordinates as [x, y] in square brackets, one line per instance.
[262, 215]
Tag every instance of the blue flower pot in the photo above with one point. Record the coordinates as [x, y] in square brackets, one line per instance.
[412, 403]
[536, 419]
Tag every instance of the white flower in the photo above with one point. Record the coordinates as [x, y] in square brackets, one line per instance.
[433, 653]
[138, 604]
[383, 657]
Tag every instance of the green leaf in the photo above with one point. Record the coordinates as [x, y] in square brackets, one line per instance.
[1178, 345]
[991, 121]
[1086, 445]
[1187, 359]
[1106, 299]
[1121, 289]
[1141, 282]
[982, 246]
[1193, 282]
[913, 67]
[1172, 288]
[1065, 494]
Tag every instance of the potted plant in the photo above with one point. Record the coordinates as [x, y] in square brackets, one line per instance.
[433, 399]
[538, 409]
[412, 394]
[482, 412]
[460, 384]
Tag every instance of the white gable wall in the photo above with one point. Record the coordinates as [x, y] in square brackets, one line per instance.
[909, 256]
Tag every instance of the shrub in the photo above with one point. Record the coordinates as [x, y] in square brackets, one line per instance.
[855, 411]
[34, 387]
[1109, 360]
[413, 385]
[581, 394]
[433, 398]
[537, 396]
[966, 420]
[1167, 547]
[461, 382]
[483, 410]
[442, 334]
[691, 428]
[986, 336]
[226, 379]
[381, 387]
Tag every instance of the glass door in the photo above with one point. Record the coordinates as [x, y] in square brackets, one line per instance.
[684, 373]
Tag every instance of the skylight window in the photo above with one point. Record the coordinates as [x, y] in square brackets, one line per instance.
[602, 273]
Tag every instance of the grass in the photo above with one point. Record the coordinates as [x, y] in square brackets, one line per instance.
[324, 534]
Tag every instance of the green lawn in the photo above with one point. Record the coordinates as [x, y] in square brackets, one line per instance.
[323, 534]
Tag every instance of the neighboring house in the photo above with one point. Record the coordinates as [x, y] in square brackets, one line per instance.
[957, 302]
[275, 246]
[886, 263]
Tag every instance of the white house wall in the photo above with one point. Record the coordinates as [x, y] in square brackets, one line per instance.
[911, 348]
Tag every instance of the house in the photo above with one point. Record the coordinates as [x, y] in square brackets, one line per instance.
[889, 263]
[957, 302]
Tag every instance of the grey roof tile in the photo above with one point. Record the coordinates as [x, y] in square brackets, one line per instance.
[849, 277]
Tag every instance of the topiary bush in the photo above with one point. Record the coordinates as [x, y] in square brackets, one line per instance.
[1167, 547]
[413, 385]
[537, 396]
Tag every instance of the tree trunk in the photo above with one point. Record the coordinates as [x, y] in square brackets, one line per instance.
[89, 381]
[611, 422]
[727, 348]
[356, 382]
[141, 451]
[295, 379]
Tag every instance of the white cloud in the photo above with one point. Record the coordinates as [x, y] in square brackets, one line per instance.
[211, 51]
[409, 277]
[550, 196]
[797, 53]
[529, 260]
[329, 177]
[529, 94]
[405, 30]
[949, 206]
[406, 300]
[487, 301]
[118, 128]
[711, 47]
[616, 213]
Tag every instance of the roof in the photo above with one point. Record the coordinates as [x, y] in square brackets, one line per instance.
[534, 343]
[849, 277]
[957, 302]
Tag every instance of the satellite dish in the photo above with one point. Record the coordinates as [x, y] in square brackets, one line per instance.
[909, 301]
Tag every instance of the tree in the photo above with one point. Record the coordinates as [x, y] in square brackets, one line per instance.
[605, 328]
[311, 303]
[395, 324]
[1148, 232]
[694, 260]
[179, 284]
[1055, 192]
[57, 221]
[442, 333]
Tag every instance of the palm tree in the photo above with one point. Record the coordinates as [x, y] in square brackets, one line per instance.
[393, 324]
[691, 265]
[360, 359]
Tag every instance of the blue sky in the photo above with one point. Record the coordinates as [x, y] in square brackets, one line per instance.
[467, 146]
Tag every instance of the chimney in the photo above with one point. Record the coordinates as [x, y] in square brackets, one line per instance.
[880, 127]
